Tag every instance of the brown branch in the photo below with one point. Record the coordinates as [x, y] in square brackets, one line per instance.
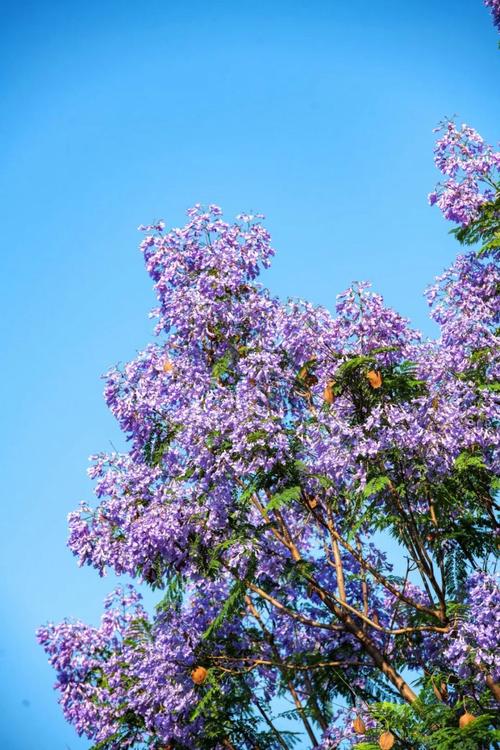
[290, 612]
[255, 500]
[339, 570]
[388, 631]
[381, 578]
[424, 562]
[352, 627]
[493, 686]
[395, 611]
[364, 582]
[257, 662]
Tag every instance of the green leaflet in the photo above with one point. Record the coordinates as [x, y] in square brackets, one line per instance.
[484, 229]
[353, 363]
[212, 692]
[285, 497]
[104, 744]
[222, 365]
[213, 561]
[257, 435]
[173, 593]
[158, 442]
[467, 460]
[376, 485]
[139, 632]
[232, 603]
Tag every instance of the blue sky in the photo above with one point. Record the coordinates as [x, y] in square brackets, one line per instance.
[319, 114]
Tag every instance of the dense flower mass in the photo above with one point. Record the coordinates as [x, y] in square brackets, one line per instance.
[268, 442]
[475, 646]
[471, 169]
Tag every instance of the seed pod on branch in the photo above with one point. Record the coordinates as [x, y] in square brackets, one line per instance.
[466, 719]
[386, 741]
[359, 725]
[328, 394]
[199, 675]
[374, 378]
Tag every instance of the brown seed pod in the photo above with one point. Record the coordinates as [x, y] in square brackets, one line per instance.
[386, 741]
[466, 719]
[199, 675]
[359, 725]
[312, 502]
[328, 394]
[374, 378]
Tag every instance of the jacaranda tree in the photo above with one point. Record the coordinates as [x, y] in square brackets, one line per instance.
[274, 449]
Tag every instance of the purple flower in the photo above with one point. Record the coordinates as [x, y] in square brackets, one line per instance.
[471, 168]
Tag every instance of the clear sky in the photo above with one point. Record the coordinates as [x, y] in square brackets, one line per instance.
[318, 114]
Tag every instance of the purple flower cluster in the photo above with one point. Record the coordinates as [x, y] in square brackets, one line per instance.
[131, 666]
[268, 438]
[471, 168]
[474, 647]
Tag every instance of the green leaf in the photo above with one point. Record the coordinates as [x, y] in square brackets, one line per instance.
[232, 603]
[375, 485]
[384, 349]
[222, 365]
[212, 692]
[257, 435]
[466, 461]
[158, 442]
[285, 497]
[173, 594]
[213, 560]
[353, 363]
[485, 228]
